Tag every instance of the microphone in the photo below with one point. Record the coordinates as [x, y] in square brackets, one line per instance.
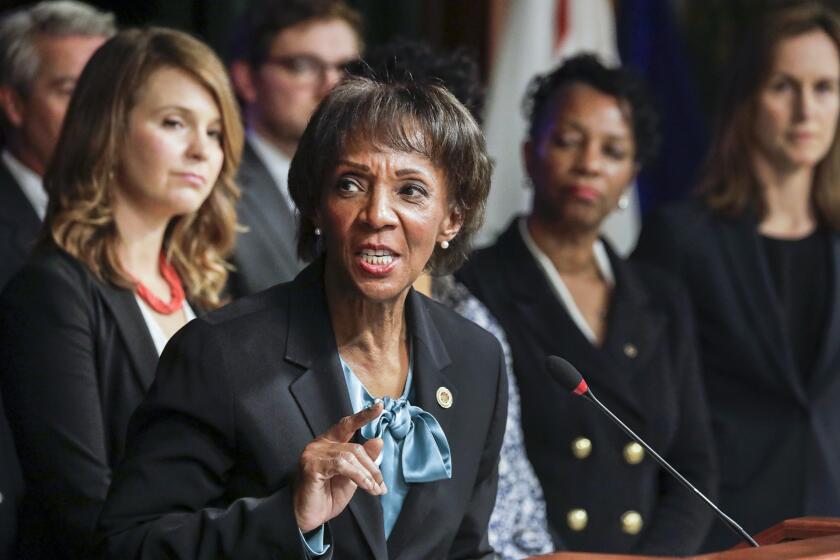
[569, 377]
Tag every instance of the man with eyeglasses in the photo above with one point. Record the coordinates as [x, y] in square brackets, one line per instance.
[288, 55]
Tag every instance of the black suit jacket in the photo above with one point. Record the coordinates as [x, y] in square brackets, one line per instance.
[266, 254]
[11, 489]
[778, 439]
[19, 226]
[214, 450]
[75, 360]
[646, 372]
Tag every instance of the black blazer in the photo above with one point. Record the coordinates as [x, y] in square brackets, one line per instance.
[76, 359]
[19, 226]
[266, 254]
[214, 450]
[778, 439]
[11, 489]
[646, 372]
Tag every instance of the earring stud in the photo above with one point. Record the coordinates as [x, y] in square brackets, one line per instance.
[624, 201]
[317, 232]
[444, 244]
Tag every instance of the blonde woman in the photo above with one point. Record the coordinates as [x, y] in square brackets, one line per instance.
[141, 217]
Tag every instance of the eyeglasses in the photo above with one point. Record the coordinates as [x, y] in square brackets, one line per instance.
[307, 69]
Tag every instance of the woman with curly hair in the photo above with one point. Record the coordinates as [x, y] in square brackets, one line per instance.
[140, 219]
[557, 288]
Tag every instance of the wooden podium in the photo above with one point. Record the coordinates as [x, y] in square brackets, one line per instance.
[814, 538]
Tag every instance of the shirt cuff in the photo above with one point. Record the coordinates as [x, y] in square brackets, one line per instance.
[314, 541]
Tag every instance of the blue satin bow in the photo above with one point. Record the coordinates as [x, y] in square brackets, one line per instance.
[414, 448]
[425, 454]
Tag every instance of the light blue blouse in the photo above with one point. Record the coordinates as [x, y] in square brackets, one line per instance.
[414, 449]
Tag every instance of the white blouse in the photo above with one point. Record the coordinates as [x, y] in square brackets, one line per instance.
[602, 260]
[158, 336]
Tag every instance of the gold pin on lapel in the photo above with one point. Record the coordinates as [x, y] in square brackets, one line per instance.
[444, 397]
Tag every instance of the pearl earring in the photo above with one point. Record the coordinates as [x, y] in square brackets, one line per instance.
[624, 201]
[317, 232]
[444, 244]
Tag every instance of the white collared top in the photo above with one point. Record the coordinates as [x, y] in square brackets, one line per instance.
[556, 282]
[158, 336]
[30, 183]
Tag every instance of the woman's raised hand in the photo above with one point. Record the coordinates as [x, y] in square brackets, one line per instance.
[331, 468]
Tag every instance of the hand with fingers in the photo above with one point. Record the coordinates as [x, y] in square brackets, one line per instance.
[331, 468]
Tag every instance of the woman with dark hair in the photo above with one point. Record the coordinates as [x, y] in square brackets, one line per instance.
[518, 526]
[342, 413]
[141, 214]
[759, 251]
[557, 288]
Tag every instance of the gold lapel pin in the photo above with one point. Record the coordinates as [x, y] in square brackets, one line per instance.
[444, 397]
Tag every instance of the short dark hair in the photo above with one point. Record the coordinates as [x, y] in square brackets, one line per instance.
[618, 82]
[266, 18]
[404, 59]
[389, 113]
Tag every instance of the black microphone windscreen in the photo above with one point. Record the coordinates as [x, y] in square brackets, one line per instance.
[563, 372]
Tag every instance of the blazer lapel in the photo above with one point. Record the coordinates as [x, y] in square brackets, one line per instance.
[540, 311]
[264, 201]
[825, 369]
[320, 391]
[742, 246]
[634, 332]
[17, 212]
[429, 360]
[134, 331]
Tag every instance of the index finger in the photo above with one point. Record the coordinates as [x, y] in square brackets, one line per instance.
[343, 430]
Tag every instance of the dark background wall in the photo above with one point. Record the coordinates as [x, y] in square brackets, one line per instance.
[710, 28]
[705, 33]
[443, 23]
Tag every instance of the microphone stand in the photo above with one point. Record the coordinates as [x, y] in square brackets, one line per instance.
[722, 516]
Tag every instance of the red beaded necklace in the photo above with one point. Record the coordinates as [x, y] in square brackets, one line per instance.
[176, 290]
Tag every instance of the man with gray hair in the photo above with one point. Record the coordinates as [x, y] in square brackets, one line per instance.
[43, 49]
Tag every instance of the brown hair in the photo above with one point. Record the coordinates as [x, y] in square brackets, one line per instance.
[390, 113]
[80, 217]
[729, 184]
[264, 21]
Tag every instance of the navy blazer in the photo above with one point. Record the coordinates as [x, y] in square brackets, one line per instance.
[778, 439]
[11, 489]
[265, 254]
[646, 372]
[19, 226]
[214, 450]
[76, 359]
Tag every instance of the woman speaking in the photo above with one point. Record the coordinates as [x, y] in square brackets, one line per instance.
[343, 413]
